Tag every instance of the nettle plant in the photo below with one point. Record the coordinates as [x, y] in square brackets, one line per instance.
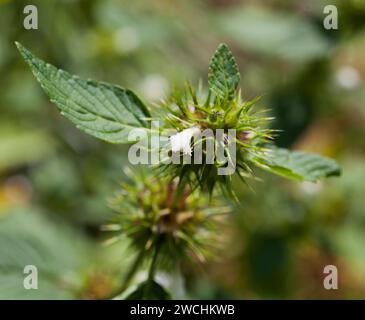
[174, 214]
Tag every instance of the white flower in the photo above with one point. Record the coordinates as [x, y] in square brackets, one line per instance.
[181, 140]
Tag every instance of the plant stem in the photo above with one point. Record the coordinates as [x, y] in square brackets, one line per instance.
[179, 192]
[132, 271]
[152, 271]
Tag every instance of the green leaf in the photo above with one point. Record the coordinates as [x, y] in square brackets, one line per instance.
[102, 110]
[223, 76]
[298, 165]
[149, 290]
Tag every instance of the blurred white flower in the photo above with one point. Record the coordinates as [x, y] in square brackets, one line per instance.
[154, 87]
[126, 40]
[348, 77]
[311, 188]
[181, 140]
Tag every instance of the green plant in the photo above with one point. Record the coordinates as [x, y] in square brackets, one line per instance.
[166, 213]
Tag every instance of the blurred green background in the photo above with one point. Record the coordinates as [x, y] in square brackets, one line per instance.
[55, 181]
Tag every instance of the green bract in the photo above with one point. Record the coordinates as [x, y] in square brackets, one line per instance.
[223, 76]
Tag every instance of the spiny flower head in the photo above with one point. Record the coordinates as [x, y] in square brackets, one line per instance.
[192, 113]
[153, 211]
[241, 137]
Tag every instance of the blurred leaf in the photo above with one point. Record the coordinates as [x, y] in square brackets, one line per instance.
[19, 146]
[149, 290]
[350, 241]
[268, 262]
[298, 165]
[223, 76]
[29, 102]
[272, 33]
[27, 238]
[105, 111]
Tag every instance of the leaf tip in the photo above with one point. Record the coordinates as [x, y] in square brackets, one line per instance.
[222, 46]
[19, 46]
[223, 73]
[23, 51]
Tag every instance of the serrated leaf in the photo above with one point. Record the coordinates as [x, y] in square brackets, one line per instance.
[149, 290]
[223, 76]
[298, 165]
[102, 110]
